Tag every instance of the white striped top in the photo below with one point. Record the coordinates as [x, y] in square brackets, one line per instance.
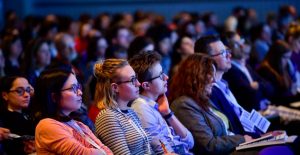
[122, 132]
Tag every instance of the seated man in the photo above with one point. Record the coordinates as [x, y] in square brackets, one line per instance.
[221, 95]
[155, 116]
[250, 90]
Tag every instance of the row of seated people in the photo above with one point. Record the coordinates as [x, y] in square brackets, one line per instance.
[205, 116]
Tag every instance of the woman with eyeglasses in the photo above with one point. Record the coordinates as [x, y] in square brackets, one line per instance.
[58, 93]
[191, 87]
[117, 125]
[15, 98]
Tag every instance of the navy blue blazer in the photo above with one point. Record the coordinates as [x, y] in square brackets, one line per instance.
[246, 96]
[220, 101]
[223, 105]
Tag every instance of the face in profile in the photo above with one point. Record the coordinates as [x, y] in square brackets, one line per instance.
[221, 55]
[158, 83]
[44, 55]
[71, 95]
[18, 97]
[127, 85]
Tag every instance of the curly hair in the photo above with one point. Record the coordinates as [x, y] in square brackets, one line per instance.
[105, 72]
[191, 79]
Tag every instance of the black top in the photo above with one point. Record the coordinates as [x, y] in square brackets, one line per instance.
[20, 124]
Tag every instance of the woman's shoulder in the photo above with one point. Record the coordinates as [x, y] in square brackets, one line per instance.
[184, 100]
[49, 122]
[108, 114]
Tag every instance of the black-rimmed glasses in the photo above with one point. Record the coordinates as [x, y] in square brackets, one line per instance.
[223, 53]
[161, 76]
[133, 81]
[21, 91]
[74, 87]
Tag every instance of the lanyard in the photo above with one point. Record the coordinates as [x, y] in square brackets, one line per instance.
[139, 130]
[76, 127]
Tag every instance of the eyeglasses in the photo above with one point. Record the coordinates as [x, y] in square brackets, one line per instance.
[223, 53]
[133, 81]
[21, 91]
[161, 76]
[74, 87]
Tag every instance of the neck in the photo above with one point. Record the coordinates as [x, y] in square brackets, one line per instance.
[14, 109]
[149, 95]
[219, 75]
[241, 61]
[122, 104]
[67, 113]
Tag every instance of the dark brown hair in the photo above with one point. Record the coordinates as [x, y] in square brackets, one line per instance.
[142, 63]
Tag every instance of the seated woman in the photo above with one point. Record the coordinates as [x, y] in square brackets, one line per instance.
[278, 69]
[190, 90]
[117, 125]
[37, 57]
[57, 95]
[15, 97]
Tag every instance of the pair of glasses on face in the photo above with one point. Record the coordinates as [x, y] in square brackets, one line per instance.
[21, 91]
[161, 76]
[133, 81]
[74, 87]
[223, 53]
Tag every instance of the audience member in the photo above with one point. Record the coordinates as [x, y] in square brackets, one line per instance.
[152, 107]
[250, 90]
[12, 50]
[191, 86]
[117, 125]
[58, 93]
[15, 97]
[221, 95]
[278, 69]
[37, 58]
[139, 44]
[182, 48]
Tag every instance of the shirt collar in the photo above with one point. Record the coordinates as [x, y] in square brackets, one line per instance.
[150, 102]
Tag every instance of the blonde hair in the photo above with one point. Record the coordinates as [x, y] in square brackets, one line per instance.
[105, 72]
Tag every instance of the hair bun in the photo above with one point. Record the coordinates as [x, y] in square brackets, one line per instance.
[98, 69]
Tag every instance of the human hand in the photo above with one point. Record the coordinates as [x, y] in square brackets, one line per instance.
[29, 146]
[254, 85]
[248, 138]
[4, 133]
[163, 105]
[170, 153]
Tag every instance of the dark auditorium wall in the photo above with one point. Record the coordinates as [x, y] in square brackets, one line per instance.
[164, 7]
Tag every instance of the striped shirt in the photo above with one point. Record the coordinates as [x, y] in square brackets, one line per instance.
[122, 132]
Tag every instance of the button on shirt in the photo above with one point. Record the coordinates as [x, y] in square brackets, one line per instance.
[153, 123]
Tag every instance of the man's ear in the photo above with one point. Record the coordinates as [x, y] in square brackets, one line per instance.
[145, 85]
[114, 87]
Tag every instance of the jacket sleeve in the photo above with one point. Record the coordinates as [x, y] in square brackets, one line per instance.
[195, 120]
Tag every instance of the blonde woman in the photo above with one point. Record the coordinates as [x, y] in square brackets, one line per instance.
[117, 126]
